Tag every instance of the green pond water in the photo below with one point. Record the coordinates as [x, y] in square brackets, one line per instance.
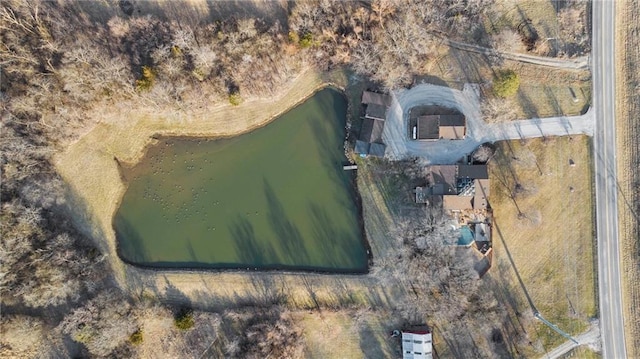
[274, 198]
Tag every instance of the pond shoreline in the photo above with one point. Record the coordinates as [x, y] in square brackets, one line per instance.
[94, 183]
[319, 121]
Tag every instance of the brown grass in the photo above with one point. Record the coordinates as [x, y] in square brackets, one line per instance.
[551, 242]
[95, 189]
[511, 13]
[348, 335]
[628, 153]
[544, 92]
[582, 353]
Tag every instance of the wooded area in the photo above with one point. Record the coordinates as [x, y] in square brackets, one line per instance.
[62, 61]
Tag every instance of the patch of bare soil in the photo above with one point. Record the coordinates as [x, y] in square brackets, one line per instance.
[628, 153]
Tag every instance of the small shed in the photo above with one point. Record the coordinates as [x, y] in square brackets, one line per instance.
[417, 345]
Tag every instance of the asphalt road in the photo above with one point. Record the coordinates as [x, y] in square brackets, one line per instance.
[609, 280]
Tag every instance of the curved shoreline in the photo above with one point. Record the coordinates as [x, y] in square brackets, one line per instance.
[94, 183]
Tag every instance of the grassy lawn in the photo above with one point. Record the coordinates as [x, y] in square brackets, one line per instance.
[544, 233]
[349, 335]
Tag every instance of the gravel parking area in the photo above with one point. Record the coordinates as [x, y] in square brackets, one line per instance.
[467, 101]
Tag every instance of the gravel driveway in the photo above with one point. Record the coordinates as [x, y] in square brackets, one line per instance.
[399, 145]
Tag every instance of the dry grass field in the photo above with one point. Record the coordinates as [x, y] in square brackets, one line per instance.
[628, 153]
[543, 234]
[348, 335]
[582, 353]
[544, 92]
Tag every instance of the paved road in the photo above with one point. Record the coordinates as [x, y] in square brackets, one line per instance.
[610, 293]
[591, 338]
[396, 133]
[579, 63]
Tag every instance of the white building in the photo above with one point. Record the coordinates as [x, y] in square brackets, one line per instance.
[417, 345]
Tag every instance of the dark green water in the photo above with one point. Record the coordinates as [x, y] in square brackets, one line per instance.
[275, 198]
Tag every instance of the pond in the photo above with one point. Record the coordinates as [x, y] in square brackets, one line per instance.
[274, 198]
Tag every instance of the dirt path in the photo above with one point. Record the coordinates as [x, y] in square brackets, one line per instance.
[396, 133]
[579, 63]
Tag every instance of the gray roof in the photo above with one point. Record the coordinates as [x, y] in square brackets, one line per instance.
[375, 111]
[371, 130]
[377, 149]
[362, 148]
[428, 127]
[473, 171]
[369, 97]
[452, 120]
[442, 179]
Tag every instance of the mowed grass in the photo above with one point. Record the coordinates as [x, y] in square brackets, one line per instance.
[543, 232]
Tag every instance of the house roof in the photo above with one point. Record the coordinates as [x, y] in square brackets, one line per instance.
[369, 97]
[433, 127]
[362, 148]
[473, 171]
[375, 111]
[377, 149]
[452, 127]
[428, 127]
[452, 132]
[457, 203]
[371, 130]
[442, 179]
[452, 120]
[481, 195]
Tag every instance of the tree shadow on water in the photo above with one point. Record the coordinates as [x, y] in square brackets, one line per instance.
[334, 244]
[287, 233]
[250, 250]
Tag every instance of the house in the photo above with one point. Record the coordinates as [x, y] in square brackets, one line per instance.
[459, 187]
[370, 140]
[377, 149]
[435, 127]
[376, 105]
[417, 344]
[369, 97]
[371, 130]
